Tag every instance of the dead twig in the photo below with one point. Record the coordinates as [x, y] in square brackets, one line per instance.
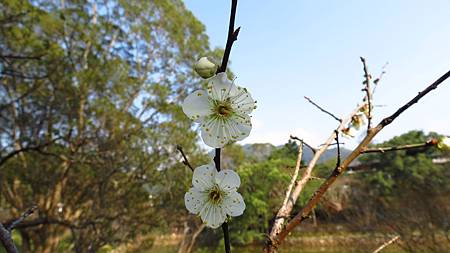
[314, 150]
[432, 142]
[185, 160]
[323, 110]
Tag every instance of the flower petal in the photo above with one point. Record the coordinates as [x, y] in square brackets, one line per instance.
[243, 102]
[234, 204]
[195, 200]
[220, 87]
[196, 105]
[203, 178]
[217, 133]
[213, 133]
[241, 125]
[228, 180]
[213, 215]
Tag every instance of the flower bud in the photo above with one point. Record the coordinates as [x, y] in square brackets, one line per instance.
[349, 132]
[205, 68]
[358, 120]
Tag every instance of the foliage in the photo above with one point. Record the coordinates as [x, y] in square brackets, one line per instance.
[407, 192]
[89, 105]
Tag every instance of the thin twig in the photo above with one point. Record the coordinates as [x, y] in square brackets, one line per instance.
[185, 160]
[323, 110]
[232, 37]
[368, 80]
[314, 150]
[316, 178]
[384, 245]
[432, 142]
[338, 158]
[317, 196]
[17, 221]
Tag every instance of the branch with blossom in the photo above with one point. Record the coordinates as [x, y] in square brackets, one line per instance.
[222, 110]
[280, 231]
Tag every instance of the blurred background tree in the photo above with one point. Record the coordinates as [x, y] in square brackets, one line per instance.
[404, 192]
[90, 116]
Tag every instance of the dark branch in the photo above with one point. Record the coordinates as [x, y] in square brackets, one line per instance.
[421, 94]
[185, 160]
[303, 142]
[338, 158]
[17, 221]
[430, 143]
[367, 81]
[25, 149]
[7, 241]
[5, 231]
[323, 110]
[232, 37]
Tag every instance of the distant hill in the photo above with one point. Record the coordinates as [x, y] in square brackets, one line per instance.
[261, 151]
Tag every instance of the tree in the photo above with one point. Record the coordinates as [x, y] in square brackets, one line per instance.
[407, 193]
[89, 94]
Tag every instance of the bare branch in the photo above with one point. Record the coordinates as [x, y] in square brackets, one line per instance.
[5, 231]
[273, 239]
[185, 160]
[232, 37]
[314, 150]
[17, 221]
[384, 245]
[368, 90]
[430, 143]
[323, 110]
[317, 196]
[7, 241]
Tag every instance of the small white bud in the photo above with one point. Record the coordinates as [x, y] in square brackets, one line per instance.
[205, 68]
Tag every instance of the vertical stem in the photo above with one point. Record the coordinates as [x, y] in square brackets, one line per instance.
[226, 234]
[232, 36]
[226, 237]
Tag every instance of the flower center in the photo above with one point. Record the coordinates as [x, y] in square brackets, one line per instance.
[215, 195]
[224, 109]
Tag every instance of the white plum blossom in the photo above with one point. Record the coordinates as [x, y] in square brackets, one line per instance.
[222, 110]
[213, 195]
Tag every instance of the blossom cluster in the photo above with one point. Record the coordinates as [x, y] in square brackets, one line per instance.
[358, 120]
[222, 110]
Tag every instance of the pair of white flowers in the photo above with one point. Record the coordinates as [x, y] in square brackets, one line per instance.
[223, 113]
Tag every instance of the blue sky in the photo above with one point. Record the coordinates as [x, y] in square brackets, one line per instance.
[290, 49]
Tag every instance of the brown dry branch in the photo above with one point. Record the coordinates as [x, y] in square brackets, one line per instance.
[274, 242]
[284, 212]
[430, 143]
[286, 209]
[384, 245]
